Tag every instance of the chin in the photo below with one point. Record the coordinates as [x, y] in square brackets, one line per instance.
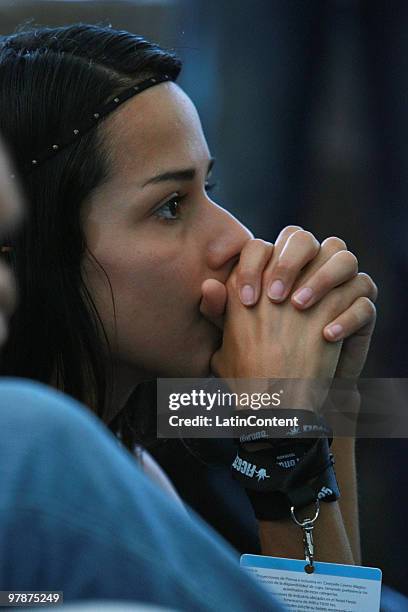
[192, 356]
[194, 364]
[196, 368]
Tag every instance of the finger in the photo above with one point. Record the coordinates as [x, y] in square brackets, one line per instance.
[342, 297]
[283, 237]
[328, 248]
[332, 245]
[341, 267]
[300, 248]
[213, 301]
[253, 259]
[362, 285]
[360, 315]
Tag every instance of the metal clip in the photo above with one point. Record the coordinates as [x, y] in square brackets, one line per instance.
[307, 525]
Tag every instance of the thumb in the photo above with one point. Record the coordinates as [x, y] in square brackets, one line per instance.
[213, 301]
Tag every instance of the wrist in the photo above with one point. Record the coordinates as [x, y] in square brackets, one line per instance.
[290, 472]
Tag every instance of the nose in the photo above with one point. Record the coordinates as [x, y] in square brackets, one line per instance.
[227, 236]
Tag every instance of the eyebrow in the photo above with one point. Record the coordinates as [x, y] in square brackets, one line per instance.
[184, 174]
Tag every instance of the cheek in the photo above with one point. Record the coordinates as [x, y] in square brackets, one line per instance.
[152, 285]
[158, 324]
[152, 296]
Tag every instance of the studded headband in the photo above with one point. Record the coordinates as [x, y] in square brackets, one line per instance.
[86, 125]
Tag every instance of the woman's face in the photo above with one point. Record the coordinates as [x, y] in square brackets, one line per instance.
[158, 235]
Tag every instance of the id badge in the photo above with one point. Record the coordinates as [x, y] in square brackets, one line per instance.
[331, 587]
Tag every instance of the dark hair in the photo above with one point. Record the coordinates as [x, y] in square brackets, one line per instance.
[50, 79]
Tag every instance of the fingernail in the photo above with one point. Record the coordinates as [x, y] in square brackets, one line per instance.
[247, 294]
[335, 331]
[303, 296]
[276, 290]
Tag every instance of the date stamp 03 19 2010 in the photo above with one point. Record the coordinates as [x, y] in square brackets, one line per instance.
[30, 598]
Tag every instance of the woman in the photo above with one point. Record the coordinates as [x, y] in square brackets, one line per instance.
[51, 452]
[125, 265]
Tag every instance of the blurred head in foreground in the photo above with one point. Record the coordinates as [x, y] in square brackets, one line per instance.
[10, 212]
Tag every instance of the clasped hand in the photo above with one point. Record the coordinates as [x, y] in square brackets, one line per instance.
[293, 309]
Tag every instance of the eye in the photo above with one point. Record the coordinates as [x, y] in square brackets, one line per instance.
[170, 210]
